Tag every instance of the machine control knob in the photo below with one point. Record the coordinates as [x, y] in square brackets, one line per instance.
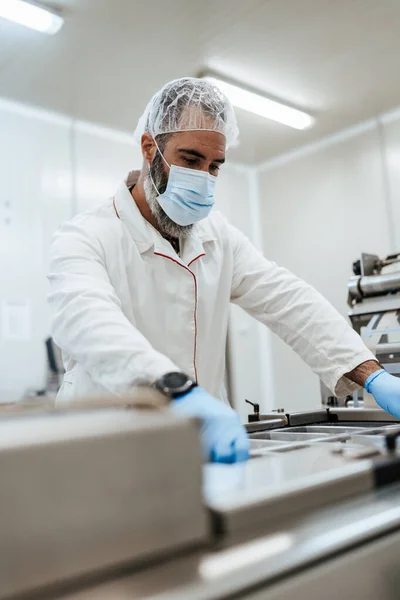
[256, 415]
[357, 267]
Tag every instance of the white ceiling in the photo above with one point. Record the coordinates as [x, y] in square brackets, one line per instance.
[335, 58]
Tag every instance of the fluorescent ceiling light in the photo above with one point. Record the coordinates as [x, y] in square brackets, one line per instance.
[263, 106]
[31, 15]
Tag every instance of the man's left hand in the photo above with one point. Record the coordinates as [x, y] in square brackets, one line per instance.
[385, 388]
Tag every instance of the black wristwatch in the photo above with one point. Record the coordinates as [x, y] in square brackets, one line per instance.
[174, 384]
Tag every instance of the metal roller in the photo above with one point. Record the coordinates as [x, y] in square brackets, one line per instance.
[373, 285]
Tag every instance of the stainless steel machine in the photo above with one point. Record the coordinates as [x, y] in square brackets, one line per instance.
[374, 311]
[112, 502]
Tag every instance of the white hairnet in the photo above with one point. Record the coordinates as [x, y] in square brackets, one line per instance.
[188, 104]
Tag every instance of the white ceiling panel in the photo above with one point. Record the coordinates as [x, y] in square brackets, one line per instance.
[335, 58]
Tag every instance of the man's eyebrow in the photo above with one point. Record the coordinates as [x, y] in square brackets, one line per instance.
[193, 152]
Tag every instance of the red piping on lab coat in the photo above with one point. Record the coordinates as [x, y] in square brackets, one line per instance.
[195, 294]
[195, 302]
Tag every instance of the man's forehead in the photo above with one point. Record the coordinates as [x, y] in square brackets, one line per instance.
[202, 140]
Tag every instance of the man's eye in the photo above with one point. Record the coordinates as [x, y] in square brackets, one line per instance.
[214, 169]
[190, 161]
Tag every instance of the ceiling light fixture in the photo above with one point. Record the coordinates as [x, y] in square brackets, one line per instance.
[263, 106]
[31, 15]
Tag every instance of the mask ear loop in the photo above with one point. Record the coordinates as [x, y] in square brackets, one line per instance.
[161, 154]
[164, 159]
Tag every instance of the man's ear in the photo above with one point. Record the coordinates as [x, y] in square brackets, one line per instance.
[149, 147]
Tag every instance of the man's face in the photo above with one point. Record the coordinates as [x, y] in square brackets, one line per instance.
[200, 150]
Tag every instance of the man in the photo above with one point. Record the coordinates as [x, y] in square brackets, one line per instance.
[141, 285]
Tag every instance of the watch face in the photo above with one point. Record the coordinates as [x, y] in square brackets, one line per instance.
[174, 381]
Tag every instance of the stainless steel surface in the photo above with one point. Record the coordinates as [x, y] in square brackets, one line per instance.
[85, 491]
[353, 288]
[353, 436]
[374, 305]
[376, 285]
[377, 440]
[256, 444]
[393, 368]
[362, 414]
[308, 417]
[278, 486]
[388, 348]
[371, 280]
[369, 572]
[328, 429]
[279, 447]
[304, 556]
[359, 434]
[368, 263]
[262, 425]
[287, 436]
[89, 493]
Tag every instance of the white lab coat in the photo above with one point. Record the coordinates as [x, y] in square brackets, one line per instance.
[127, 309]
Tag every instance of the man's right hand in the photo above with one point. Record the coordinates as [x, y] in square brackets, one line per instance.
[223, 437]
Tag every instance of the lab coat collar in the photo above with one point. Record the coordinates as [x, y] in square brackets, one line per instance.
[146, 237]
[128, 212]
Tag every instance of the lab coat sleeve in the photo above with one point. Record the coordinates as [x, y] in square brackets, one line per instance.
[88, 322]
[298, 314]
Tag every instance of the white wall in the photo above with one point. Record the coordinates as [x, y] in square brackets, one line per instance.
[50, 169]
[102, 158]
[391, 155]
[320, 208]
[36, 185]
[248, 340]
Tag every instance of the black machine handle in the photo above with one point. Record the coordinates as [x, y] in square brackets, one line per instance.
[256, 414]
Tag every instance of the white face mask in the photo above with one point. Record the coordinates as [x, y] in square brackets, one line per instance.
[189, 196]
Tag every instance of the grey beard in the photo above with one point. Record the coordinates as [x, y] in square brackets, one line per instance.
[167, 226]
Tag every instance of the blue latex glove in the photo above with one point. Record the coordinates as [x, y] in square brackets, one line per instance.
[223, 437]
[385, 388]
